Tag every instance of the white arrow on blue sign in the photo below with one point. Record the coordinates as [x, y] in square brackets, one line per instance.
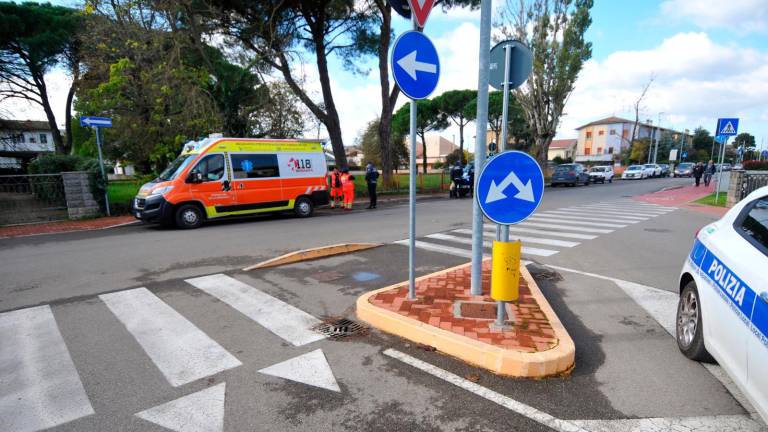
[415, 65]
[92, 121]
[727, 126]
[510, 187]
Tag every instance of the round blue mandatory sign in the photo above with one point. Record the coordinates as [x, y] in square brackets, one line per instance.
[510, 187]
[415, 64]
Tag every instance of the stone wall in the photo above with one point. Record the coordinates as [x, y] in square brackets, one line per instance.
[734, 188]
[80, 201]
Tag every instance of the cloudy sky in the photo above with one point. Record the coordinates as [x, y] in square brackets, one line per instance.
[709, 59]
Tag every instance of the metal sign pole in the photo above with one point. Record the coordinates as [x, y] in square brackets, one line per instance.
[412, 200]
[502, 231]
[101, 166]
[720, 175]
[481, 133]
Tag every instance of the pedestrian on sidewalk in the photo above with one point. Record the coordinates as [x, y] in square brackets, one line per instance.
[698, 171]
[337, 194]
[371, 178]
[349, 192]
[344, 177]
[456, 173]
[709, 171]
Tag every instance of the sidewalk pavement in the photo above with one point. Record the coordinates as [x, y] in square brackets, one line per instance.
[684, 197]
[447, 317]
[64, 226]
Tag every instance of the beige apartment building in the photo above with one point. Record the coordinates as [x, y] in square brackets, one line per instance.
[437, 149]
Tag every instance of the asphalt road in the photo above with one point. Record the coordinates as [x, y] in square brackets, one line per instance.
[627, 365]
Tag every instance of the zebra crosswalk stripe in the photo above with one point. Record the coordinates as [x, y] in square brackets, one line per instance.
[544, 218]
[581, 217]
[603, 215]
[286, 321]
[566, 228]
[39, 385]
[519, 229]
[615, 212]
[538, 240]
[181, 351]
[463, 240]
[438, 248]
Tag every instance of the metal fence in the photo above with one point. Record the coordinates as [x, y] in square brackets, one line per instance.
[32, 198]
[751, 182]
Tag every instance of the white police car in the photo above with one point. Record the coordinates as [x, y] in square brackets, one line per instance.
[723, 307]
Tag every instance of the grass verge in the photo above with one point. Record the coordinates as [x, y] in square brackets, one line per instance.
[710, 200]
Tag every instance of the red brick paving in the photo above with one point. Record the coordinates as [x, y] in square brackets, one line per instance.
[435, 302]
[683, 197]
[64, 226]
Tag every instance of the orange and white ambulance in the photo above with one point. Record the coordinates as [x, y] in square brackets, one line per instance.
[219, 177]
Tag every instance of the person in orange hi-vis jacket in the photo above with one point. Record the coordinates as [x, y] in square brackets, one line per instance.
[349, 192]
[337, 194]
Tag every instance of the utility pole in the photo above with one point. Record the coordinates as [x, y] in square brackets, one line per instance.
[651, 134]
[658, 138]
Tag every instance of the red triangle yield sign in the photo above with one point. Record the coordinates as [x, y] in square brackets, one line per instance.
[421, 10]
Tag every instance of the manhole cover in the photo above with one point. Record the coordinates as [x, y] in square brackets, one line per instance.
[657, 230]
[338, 328]
[478, 310]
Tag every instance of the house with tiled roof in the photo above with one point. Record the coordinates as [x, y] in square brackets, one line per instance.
[564, 148]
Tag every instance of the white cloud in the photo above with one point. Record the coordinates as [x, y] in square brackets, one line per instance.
[697, 81]
[742, 16]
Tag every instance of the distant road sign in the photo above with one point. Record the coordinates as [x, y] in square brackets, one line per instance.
[91, 121]
[415, 65]
[520, 64]
[764, 153]
[510, 187]
[685, 154]
[421, 10]
[728, 126]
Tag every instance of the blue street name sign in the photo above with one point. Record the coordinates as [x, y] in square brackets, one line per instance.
[415, 65]
[727, 127]
[91, 121]
[510, 187]
[764, 153]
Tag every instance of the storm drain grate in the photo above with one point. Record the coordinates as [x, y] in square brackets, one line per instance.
[339, 328]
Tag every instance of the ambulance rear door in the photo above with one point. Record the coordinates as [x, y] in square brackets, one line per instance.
[256, 178]
[303, 173]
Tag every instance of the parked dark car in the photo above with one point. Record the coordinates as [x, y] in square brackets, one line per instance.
[664, 170]
[570, 174]
[684, 169]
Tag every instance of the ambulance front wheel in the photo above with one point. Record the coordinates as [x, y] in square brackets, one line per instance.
[303, 207]
[188, 216]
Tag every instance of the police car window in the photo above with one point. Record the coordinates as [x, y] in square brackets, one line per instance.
[211, 167]
[755, 224]
[247, 166]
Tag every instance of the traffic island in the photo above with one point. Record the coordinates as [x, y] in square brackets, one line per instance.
[447, 317]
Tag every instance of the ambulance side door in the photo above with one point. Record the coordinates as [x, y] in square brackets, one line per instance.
[209, 183]
[256, 178]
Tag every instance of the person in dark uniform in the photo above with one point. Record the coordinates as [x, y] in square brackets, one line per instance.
[456, 173]
[698, 171]
[371, 178]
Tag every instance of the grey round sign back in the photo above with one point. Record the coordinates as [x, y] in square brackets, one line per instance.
[520, 64]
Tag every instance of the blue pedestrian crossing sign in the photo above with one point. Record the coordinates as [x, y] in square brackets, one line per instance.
[510, 187]
[727, 126]
[415, 65]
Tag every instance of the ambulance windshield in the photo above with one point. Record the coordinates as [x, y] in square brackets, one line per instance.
[176, 167]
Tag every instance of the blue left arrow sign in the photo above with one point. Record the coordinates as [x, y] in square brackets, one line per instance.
[415, 65]
[92, 121]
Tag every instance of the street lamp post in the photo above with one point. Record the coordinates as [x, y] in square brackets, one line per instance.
[651, 133]
[658, 138]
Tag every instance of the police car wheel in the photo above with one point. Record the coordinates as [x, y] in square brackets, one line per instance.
[690, 339]
[303, 207]
[188, 216]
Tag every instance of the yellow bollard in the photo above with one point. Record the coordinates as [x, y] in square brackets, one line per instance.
[505, 271]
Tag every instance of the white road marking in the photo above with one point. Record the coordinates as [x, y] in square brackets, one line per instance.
[486, 393]
[584, 217]
[598, 214]
[39, 385]
[198, 412]
[645, 204]
[661, 305]
[290, 323]
[613, 211]
[630, 210]
[181, 351]
[311, 369]
[463, 240]
[516, 228]
[438, 248]
[554, 219]
[565, 228]
[550, 242]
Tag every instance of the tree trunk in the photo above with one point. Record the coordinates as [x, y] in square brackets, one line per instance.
[461, 141]
[388, 99]
[423, 152]
[68, 109]
[332, 123]
[541, 149]
[58, 142]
